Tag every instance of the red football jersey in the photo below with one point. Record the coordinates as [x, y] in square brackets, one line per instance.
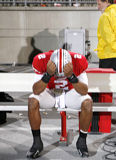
[40, 61]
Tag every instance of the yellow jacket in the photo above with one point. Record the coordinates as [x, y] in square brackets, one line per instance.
[106, 33]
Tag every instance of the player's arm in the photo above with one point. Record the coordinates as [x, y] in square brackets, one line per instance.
[41, 84]
[39, 87]
[78, 85]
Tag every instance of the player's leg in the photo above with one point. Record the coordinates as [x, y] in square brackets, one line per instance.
[44, 100]
[77, 101]
[86, 114]
[35, 122]
[85, 119]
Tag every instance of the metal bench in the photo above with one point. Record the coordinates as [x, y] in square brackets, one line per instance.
[22, 106]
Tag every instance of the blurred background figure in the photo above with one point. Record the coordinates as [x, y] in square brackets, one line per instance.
[106, 33]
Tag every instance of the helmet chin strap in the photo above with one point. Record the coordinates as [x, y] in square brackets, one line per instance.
[59, 75]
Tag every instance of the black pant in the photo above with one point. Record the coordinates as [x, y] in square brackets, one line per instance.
[108, 63]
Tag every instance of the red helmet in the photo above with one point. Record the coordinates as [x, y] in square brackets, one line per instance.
[60, 57]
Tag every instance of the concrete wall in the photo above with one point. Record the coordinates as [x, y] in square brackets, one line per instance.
[17, 27]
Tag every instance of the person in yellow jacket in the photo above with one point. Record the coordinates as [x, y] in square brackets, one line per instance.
[106, 33]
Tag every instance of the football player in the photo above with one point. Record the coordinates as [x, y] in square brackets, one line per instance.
[60, 81]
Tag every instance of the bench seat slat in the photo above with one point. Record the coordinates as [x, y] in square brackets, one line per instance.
[23, 106]
[97, 107]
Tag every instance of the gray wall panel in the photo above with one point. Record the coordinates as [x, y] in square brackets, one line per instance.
[17, 27]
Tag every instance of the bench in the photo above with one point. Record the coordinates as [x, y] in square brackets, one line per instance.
[99, 81]
[22, 106]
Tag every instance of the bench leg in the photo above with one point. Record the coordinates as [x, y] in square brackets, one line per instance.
[63, 126]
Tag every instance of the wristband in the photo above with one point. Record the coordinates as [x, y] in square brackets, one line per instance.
[46, 77]
[73, 79]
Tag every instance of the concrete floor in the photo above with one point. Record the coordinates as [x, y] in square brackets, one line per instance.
[16, 139]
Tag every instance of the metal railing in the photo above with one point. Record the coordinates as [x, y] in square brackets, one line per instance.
[48, 3]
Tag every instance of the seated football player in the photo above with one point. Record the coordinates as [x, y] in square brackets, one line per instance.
[60, 81]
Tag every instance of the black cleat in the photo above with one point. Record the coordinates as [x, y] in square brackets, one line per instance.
[82, 147]
[35, 150]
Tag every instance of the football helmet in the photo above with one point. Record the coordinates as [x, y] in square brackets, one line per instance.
[60, 57]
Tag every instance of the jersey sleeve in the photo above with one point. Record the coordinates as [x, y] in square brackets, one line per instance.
[83, 64]
[37, 65]
[80, 64]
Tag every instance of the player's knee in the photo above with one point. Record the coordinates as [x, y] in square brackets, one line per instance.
[33, 104]
[87, 105]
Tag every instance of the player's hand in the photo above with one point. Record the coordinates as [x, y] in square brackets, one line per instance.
[68, 69]
[51, 68]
